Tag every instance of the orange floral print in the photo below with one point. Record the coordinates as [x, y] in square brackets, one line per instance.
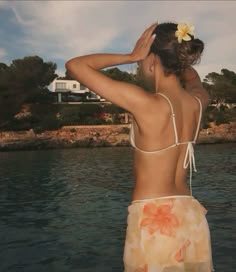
[179, 253]
[176, 217]
[144, 269]
[159, 217]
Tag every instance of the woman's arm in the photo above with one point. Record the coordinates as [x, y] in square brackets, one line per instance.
[128, 96]
[101, 60]
[84, 69]
[193, 85]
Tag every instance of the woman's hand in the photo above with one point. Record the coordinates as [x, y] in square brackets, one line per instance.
[143, 44]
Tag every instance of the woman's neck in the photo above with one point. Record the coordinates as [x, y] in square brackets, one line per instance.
[169, 85]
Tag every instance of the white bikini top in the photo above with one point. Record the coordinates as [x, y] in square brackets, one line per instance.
[189, 156]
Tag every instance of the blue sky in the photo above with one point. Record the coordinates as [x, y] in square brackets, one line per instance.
[60, 30]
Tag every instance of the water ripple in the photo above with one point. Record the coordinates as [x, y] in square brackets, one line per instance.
[65, 210]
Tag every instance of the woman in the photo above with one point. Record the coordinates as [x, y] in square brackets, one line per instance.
[167, 228]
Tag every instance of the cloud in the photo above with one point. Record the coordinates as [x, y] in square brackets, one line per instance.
[3, 53]
[63, 29]
[208, 68]
[3, 4]
[60, 72]
[60, 30]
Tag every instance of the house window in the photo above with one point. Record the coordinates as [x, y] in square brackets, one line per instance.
[74, 86]
[60, 85]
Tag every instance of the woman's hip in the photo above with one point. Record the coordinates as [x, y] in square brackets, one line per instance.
[166, 230]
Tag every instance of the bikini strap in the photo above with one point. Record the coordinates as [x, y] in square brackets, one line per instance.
[173, 117]
[189, 160]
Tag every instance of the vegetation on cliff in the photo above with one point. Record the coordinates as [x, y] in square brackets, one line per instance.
[26, 103]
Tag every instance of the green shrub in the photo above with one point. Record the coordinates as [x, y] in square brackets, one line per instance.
[25, 123]
[49, 124]
[108, 122]
[70, 116]
[116, 119]
[89, 120]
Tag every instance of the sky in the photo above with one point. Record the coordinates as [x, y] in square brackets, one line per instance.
[60, 30]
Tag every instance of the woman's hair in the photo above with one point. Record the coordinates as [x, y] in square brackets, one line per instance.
[175, 57]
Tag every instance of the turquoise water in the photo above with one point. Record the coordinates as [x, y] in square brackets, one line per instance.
[65, 210]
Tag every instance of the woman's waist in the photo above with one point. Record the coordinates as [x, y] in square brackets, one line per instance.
[160, 197]
[143, 194]
[157, 187]
[160, 179]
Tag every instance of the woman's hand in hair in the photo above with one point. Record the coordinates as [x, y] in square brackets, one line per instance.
[143, 45]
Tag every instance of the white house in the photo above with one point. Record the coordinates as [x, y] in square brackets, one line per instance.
[63, 85]
[72, 87]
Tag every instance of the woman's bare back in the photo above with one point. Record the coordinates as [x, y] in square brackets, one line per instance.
[162, 173]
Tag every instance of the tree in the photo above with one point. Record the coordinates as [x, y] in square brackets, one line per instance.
[3, 67]
[117, 74]
[221, 87]
[114, 73]
[23, 81]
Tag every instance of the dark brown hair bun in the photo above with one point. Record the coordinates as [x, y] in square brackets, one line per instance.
[175, 57]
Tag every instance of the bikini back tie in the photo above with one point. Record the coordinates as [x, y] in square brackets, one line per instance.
[189, 159]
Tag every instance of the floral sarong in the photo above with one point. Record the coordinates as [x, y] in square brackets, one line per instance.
[167, 234]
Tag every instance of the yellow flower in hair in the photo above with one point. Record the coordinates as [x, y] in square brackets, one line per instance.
[183, 30]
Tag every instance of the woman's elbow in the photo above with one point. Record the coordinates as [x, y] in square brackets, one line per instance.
[74, 65]
[68, 65]
[71, 68]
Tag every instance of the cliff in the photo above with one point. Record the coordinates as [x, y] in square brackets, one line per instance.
[95, 136]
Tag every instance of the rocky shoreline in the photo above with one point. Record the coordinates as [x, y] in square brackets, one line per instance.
[97, 136]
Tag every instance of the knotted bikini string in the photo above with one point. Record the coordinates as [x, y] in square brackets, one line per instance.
[190, 159]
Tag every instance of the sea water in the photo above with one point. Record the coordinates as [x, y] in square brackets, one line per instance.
[65, 210]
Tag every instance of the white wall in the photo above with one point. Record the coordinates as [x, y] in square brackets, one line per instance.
[70, 85]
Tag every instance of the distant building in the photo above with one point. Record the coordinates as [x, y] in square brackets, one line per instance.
[73, 91]
[64, 85]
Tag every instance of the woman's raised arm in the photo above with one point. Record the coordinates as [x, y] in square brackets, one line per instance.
[128, 96]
